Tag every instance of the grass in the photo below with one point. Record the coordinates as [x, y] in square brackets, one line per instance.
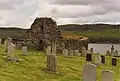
[111, 33]
[31, 68]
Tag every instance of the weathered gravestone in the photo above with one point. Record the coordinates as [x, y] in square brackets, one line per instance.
[97, 60]
[89, 72]
[77, 53]
[48, 50]
[102, 59]
[116, 54]
[112, 50]
[51, 63]
[84, 51]
[89, 57]
[114, 61]
[65, 52]
[71, 53]
[107, 76]
[91, 50]
[53, 49]
[24, 50]
[2, 40]
[108, 53]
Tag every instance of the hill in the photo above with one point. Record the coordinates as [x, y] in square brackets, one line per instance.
[31, 68]
[97, 33]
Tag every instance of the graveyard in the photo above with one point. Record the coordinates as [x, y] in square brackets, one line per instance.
[48, 55]
[31, 68]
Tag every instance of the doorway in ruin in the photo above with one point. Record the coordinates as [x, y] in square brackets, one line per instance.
[41, 45]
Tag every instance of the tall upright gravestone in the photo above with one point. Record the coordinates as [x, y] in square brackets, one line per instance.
[89, 72]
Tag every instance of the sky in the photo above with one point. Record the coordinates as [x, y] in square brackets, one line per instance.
[21, 13]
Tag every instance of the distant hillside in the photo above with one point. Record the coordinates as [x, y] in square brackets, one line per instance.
[85, 27]
[96, 33]
[12, 32]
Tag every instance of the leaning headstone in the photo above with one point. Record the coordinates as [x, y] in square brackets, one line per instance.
[24, 50]
[107, 76]
[102, 59]
[65, 52]
[84, 52]
[48, 50]
[51, 63]
[89, 57]
[89, 72]
[71, 53]
[97, 60]
[114, 61]
[76, 52]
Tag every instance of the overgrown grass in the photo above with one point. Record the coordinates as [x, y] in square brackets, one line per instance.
[110, 33]
[31, 68]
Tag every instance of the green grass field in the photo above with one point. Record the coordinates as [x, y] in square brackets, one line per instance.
[31, 68]
[110, 33]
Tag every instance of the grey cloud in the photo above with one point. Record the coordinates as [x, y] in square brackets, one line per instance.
[10, 4]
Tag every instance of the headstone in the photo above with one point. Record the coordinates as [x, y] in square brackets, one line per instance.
[54, 49]
[65, 52]
[91, 50]
[0, 41]
[107, 76]
[89, 72]
[112, 50]
[97, 60]
[102, 59]
[108, 53]
[84, 52]
[116, 53]
[24, 50]
[114, 61]
[48, 50]
[89, 57]
[77, 53]
[51, 63]
[71, 53]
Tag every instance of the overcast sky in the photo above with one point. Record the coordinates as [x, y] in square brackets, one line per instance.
[22, 13]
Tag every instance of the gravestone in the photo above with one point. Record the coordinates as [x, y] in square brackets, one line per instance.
[65, 52]
[77, 53]
[112, 50]
[24, 50]
[91, 50]
[84, 51]
[114, 61]
[89, 72]
[0, 41]
[71, 53]
[51, 63]
[102, 59]
[116, 53]
[54, 49]
[108, 53]
[48, 50]
[97, 60]
[89, 57]
[107, 76]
